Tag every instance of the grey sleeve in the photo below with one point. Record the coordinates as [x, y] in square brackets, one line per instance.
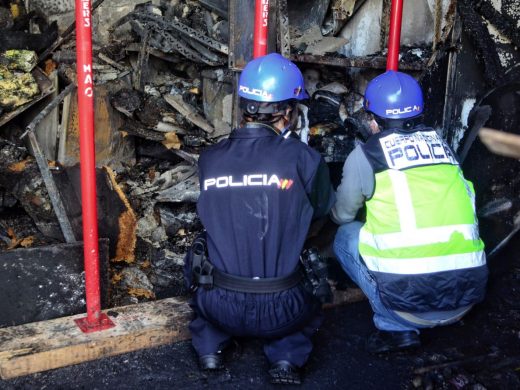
[357, 184]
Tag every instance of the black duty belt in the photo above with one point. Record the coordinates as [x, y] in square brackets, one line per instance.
[256, 285]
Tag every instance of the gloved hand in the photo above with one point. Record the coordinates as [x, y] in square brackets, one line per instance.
[357, 125]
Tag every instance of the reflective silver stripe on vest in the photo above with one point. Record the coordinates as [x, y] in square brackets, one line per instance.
[422, 236]
[424, 265]
[449, 317]
[403, 200]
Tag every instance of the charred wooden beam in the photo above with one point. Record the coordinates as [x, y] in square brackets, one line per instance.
[135, 47]
[376, 62]
[503, 22]
[21, 176]
[116, 218]
[142, 63]
[52, 190]
[189, 112]
[478, 32]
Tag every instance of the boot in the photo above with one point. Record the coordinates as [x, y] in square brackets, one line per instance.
[284, 373]
[382, 341]
[211, 362]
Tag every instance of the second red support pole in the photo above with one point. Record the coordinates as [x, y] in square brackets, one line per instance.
[260, 29]
[394, 38]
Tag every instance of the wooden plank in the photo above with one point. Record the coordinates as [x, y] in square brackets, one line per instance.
[499, 142]
[112, 147]
[43, 346]
[47, 130]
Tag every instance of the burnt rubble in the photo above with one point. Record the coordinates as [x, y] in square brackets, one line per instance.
[164, 92]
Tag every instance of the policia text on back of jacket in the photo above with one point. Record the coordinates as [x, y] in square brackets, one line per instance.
[259, 193]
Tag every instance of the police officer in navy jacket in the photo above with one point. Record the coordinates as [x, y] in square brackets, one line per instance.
[259, 193]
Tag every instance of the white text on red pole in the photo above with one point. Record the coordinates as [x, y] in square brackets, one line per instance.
[265, 12]
[88, 91]
[85, 11]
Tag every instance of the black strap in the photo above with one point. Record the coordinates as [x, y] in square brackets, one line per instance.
[256, 285]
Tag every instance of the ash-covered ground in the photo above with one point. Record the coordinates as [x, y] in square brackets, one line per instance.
[480, 352]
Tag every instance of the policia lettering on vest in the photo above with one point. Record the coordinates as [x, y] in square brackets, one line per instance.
[418, 256]
[405, 151]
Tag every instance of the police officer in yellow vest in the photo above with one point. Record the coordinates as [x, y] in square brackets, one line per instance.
[418, 257]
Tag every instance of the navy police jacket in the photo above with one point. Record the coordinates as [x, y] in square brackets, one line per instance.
[258, 195]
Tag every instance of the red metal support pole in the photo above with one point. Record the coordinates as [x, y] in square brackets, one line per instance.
[95, 320]
[394, 39]
[260, 31]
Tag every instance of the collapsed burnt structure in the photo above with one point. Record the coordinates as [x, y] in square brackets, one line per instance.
[165, 74]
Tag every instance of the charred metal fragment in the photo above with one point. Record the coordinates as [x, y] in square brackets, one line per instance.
[502, 21]
[306, 14]
[340, 11]
[138, 130]
[135, 47]
[165, 180]
[186, 191]
[188, 32]
[170, 35]
[474, 25]
[496, 177]
[127, 101]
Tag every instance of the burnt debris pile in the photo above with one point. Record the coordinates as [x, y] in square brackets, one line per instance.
[165, 74]
[163, 93]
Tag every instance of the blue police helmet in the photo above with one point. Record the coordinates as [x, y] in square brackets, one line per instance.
[394, 95]
[271, 78]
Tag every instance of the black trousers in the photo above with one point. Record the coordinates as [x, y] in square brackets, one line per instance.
[286, 321]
